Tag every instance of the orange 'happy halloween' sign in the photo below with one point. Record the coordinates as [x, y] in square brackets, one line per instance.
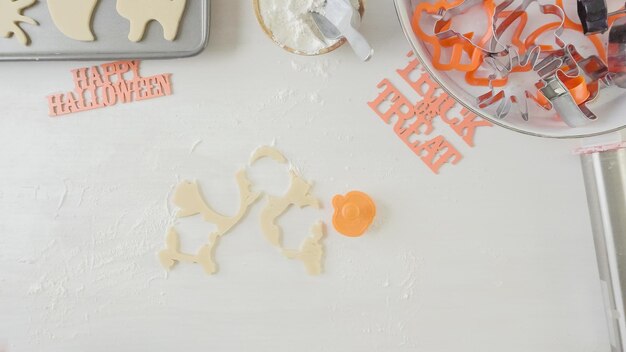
[106, 85]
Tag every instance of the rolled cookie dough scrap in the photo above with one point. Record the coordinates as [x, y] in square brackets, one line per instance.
[268, 152]
[312, 251]
[168, 13]
[73, 17]
[11, 16]
[298, 194]
[190, 201]
[172, 253]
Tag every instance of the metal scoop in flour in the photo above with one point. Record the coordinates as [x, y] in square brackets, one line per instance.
[340, 19]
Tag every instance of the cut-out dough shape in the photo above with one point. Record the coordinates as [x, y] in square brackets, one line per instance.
[168, 13]
[312, 251]
[172, 253]
[298, 194]
[190, 201]
[11, 16]
[268, 152]
[188, 198]
[73, 17]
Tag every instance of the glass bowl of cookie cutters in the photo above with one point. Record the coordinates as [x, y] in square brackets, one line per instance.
[553, 68]
[102, 29]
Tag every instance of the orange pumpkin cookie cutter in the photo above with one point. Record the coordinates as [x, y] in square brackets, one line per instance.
[354, 213]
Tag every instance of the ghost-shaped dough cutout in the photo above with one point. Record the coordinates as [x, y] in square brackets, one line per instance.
[73, 17]
[140, 12]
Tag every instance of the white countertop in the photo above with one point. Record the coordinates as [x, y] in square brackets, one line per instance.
[493, 254]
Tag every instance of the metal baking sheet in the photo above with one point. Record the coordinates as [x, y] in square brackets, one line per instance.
[111, 31]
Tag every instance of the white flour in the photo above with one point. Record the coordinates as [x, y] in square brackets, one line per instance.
[292, 26]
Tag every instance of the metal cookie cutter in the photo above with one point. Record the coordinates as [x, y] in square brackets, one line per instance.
[558, 74]
[492, 97]
[595, 39]
[592, 68]
[556, 91]
[594, 16]
[506, 102]
[443, 31]
[459, 48]
[533, 52]
[514, 59]
[569, 61]
[472, 77]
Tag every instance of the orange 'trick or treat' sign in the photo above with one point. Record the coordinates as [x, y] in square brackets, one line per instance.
[354, 213]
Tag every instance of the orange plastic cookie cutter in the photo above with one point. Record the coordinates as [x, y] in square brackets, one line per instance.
[577, 87]
[354, 213]
[472, 79]
[529, 42]
[510, 17]
[459, 47]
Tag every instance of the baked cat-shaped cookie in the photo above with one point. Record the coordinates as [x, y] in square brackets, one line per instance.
[140, 12]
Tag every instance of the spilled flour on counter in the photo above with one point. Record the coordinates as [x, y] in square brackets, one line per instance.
[292, 26]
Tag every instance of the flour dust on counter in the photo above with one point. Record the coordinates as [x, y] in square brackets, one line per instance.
[11, 17]
[190, 202]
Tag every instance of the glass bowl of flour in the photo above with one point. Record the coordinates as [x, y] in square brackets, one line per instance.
[290, 25]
